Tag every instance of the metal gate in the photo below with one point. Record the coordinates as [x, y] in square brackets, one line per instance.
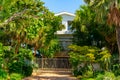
[53, 63]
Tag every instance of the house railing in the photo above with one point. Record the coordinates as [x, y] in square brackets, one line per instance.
[53, 63]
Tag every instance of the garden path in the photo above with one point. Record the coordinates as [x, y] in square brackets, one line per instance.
[51, 75]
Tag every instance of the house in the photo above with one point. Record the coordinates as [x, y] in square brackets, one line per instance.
[65, 35]
[61, 59]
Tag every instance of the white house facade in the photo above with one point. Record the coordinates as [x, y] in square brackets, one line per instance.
[65, 35]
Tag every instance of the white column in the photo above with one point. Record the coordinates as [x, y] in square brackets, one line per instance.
[66, 26]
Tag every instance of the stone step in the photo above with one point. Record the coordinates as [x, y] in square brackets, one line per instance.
[57, 71]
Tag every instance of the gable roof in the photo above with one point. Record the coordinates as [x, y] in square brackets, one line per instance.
[66, 13]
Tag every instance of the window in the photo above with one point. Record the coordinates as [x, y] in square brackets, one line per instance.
[69, 25]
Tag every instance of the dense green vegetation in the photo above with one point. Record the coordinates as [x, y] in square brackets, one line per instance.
[25, 25]
[92, 62]
[94, 54]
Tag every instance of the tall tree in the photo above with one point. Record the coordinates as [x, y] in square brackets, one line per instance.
[109, 10]
[28, 22]
[86, 28]
[90, 32]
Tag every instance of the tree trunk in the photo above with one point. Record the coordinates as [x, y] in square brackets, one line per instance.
[118, 39]
[17, 45]
[35, 51]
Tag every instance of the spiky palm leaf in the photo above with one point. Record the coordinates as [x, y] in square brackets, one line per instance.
[109, 10]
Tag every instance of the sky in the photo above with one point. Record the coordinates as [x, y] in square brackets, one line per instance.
[57, 6]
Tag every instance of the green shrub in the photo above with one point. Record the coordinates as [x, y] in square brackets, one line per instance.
[88, 79]
[20, 68]
[103, 76]
[117, 78]
[15, 76]
[21, 63]
[82, 59]
[106, 76]
[15, 67]
[116, 69]
[27, 70]
[100, 77]
[3, 74]
[77, 72]
[109, 76]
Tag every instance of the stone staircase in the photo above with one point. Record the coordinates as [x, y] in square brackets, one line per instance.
[46, 74]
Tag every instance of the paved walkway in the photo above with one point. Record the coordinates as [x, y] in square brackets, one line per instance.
[51, 75]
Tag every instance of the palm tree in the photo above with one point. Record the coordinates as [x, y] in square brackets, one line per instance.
[109, 9]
